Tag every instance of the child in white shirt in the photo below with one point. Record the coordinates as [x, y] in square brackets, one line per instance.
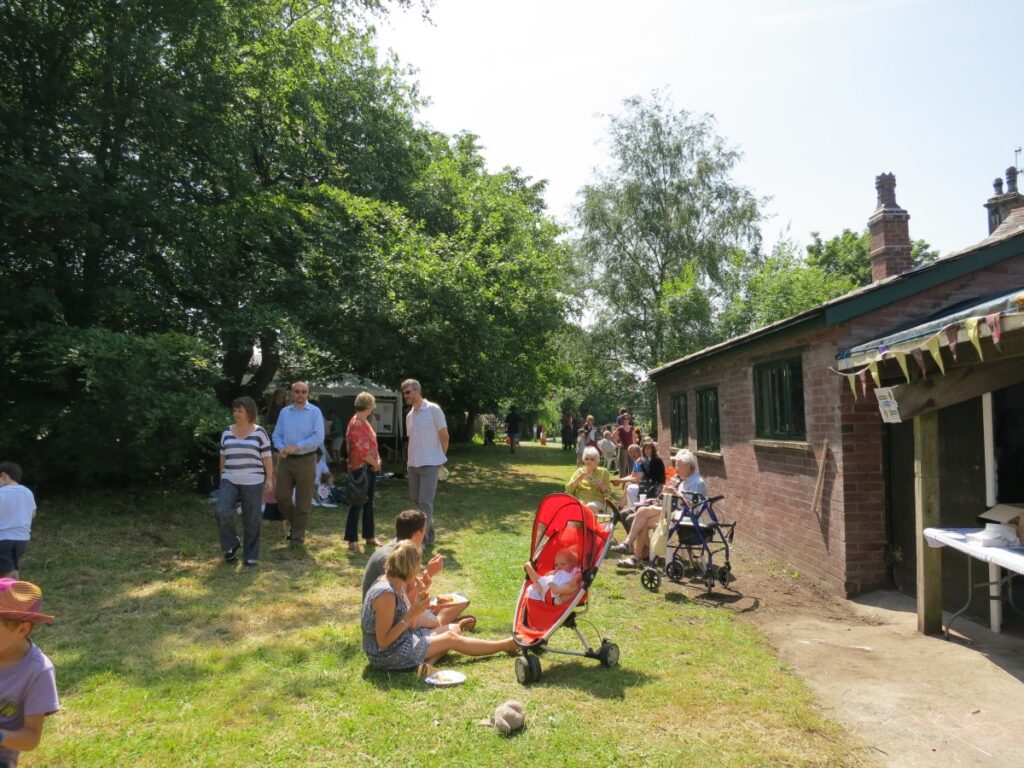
[563, 582]
[17, 509]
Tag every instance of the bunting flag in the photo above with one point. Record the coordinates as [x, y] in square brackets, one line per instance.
[902, 360]
[882, 350]
[971, 325]
[874, 374]
[863, 376]
[992, 321]
[853, 385]
[952, 337]
[932, 345]
[918, 356]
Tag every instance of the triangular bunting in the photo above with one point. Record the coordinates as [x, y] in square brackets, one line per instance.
[932, 345]
[852, 378]
[902, 360]
[992, 321]
[952, 337]
[863, 376]
[874, 374]
[918, 356]
[971, 325]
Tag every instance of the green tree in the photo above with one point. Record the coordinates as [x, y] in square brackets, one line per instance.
[247, 175]
[782, 285]
[663, 231]
[849, 254]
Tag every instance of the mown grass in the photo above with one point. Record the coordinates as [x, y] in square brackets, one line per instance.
[167, 657]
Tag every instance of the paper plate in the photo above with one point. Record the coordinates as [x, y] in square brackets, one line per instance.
[456, 599]
[446, 677]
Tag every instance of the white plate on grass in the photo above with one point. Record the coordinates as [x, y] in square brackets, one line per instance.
[445, 677]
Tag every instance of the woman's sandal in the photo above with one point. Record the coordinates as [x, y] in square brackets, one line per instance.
[623, 547]
[627, 562]
[467, 623]
[374, 542]
[424, 670]
[353, 546]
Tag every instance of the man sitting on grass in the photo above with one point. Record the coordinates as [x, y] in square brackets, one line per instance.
[412, 524]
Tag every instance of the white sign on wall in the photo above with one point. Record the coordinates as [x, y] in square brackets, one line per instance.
[887, 405]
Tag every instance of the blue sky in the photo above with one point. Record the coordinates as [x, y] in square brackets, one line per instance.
[819, 96]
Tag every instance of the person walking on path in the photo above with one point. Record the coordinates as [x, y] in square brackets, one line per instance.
[623, 438]
[363, 458]
[513, 422]
[245, 465]
[428, 443]
[297, 435]
[568, 433]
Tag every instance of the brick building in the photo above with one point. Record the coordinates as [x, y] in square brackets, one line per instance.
[809, 470]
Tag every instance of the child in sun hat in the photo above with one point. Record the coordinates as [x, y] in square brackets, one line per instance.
[28, 686]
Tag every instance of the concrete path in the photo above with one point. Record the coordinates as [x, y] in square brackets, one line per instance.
[915, 701]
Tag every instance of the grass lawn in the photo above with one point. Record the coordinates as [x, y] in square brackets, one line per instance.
[167, 657]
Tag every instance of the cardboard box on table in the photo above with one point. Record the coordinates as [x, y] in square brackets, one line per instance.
[1007, 514]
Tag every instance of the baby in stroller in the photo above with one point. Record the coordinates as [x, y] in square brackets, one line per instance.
[561, 583]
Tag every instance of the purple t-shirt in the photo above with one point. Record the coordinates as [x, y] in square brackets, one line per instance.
[26, 688]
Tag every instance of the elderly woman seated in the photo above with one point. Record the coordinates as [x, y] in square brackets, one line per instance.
[687, 480]
[647, 476]
[591, 483]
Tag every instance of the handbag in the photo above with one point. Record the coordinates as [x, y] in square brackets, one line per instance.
[359, 486]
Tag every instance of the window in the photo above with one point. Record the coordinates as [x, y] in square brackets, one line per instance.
[680, 428]
[779, 400]
[707, 420]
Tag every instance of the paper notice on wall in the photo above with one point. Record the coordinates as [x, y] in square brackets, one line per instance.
[384, 418]
[887, 405]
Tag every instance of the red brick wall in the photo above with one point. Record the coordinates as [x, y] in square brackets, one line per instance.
[769, 488]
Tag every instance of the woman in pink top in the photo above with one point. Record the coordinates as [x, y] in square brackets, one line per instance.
[363, 456]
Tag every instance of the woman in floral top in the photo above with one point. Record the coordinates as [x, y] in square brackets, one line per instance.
[361, 441]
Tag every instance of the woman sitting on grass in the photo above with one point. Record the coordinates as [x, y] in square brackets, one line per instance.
[392, 609]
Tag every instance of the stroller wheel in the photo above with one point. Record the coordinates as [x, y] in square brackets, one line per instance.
[534, 664]
[609, 654]
[675, 570]
[523, 670]
[650, 579]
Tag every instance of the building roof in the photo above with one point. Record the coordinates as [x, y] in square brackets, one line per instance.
[1005, 242]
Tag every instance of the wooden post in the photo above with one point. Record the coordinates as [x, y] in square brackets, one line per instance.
[926, 515]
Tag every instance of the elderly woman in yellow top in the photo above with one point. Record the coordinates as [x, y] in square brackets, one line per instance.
[591, 483]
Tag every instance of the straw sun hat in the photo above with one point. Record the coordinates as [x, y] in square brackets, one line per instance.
[22, 601]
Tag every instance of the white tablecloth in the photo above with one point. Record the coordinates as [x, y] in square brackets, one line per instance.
[1010, 558]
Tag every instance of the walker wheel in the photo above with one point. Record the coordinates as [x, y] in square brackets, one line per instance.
[675, 570]
[650, 579]
[723, 574]
[709, 579]
[608, 654]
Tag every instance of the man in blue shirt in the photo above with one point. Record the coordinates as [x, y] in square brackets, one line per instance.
[298, 433]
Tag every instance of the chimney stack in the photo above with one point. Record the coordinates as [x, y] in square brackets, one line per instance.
[890, 232]
[1001, 203]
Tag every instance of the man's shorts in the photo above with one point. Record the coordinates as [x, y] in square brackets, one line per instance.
[10, 555]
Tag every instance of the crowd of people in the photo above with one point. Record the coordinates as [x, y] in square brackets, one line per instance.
[278, 470]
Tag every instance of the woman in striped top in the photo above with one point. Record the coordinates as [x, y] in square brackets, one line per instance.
[245, 467]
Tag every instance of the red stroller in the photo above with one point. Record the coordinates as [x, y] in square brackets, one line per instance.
[562, 522]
